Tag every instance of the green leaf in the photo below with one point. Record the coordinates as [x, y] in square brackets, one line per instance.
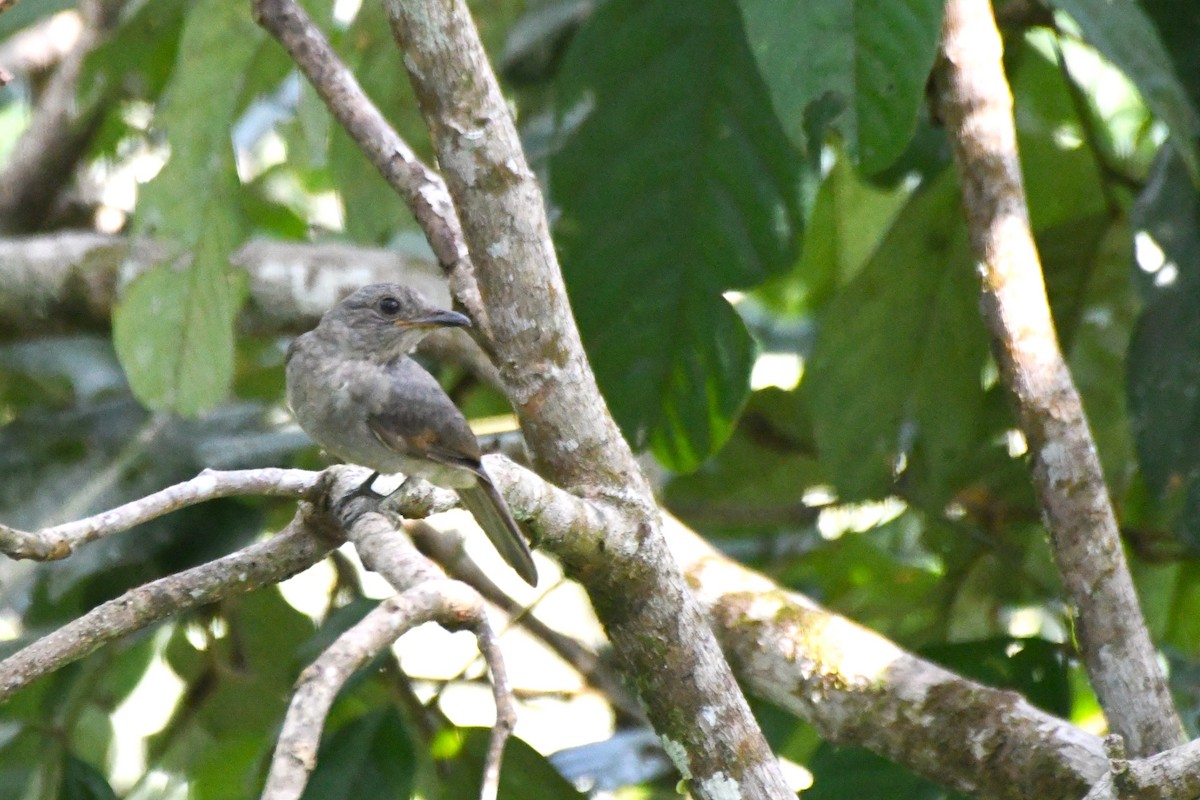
[139, 56]
[851, 773]
[82, 781]
[1035, 668]
[173, 327]
[173, 330]
[897, 363]
[1164, 353]
[756, 484]
[523, 770]
[863, 63]
[1124, 35]
[1062, 180]
[673, 189]
[370, 758]
[1179, 26]
[848, 219]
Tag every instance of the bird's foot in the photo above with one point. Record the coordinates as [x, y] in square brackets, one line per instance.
[354, 503]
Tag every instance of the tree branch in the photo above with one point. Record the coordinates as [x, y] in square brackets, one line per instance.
[1169, 775]
[386, 549]
[300, 545]
[72, 279]
[662, 642]
[44, 158]
[296, 751]
[420, 187]
[853, 685]
[69, 281]
[60, 541]
[856, 687]
[975, 102]
[42, 45]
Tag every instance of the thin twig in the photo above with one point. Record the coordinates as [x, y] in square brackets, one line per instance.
[506, 714]
[296, 751]
[60, 541]
[296, 548]
[422, 189]
[387, 550]
[447, 550]
[975, 100]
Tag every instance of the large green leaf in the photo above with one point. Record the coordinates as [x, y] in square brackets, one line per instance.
[82, 781]
[1123, 33]
[1164, 354]
[860, 64]
[1178, 23]
[896, 367]
[370, 758]
[848, 219]
[522, 770]
[674, 188]
[850, 773]
[173, 328]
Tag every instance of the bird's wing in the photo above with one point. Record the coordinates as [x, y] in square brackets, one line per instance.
[418, 419]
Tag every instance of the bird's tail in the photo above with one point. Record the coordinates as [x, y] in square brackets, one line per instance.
[492, 514]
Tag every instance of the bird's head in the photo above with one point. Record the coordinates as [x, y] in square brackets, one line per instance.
[388, 318]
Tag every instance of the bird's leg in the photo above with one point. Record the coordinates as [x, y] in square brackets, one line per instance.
[364, 490]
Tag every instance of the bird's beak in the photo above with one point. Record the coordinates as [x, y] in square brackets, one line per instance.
[436, 319]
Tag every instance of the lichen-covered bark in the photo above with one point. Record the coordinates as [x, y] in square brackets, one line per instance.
[975, 102]
[856, 687]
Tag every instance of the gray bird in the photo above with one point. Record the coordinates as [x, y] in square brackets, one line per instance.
[354, 389]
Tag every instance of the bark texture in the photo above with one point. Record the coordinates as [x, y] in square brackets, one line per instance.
[976, 104]
[662, 641]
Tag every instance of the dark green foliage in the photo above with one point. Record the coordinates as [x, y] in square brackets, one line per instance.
[782, 151]
[673, 187]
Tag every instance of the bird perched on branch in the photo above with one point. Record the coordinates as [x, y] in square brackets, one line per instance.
[355, 390]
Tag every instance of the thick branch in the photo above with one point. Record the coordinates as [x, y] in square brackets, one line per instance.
[856, 687]
[1169, 775]
[69, 281]
[662, 642]
[975, 102]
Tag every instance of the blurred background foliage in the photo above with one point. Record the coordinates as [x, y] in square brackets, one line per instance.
[760, 231]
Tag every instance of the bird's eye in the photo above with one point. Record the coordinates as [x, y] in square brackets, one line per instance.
[389, 305]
